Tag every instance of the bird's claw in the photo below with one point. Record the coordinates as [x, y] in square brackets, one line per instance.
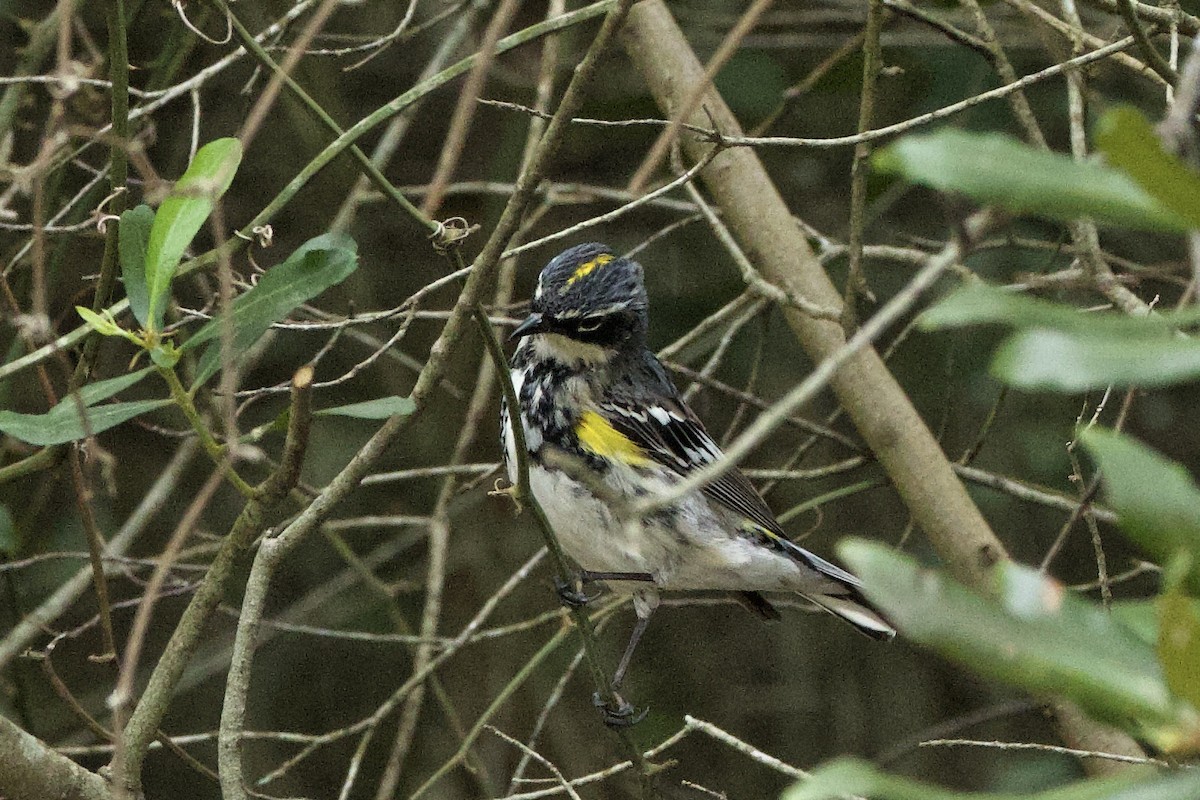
[571, 596]
[512, 492]
[620, 715]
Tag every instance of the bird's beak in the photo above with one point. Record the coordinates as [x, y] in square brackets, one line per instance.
[532, 324]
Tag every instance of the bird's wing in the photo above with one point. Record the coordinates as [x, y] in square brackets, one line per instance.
[670, 433]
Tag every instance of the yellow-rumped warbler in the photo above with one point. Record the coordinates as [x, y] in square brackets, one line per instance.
[589, 387]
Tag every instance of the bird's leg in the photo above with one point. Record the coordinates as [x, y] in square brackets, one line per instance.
[623, 714]
[573, 596]
[623, 666]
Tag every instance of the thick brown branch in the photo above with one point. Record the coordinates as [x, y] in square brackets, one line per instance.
[33, 771]
[882, 412]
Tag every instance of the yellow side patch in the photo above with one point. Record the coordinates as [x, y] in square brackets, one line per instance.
[587, 267]
[598, 436]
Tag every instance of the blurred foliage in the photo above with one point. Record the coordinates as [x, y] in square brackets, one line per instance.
[1030, 631]
[1055, 347]
[1157, 501]
[859, 777]
[994, 169]
[1032, 634]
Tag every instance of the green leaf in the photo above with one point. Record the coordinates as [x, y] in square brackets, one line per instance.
[104, 324]
[994, 169]
[1062, 348]
[1179, 645]
[980, 304]
[1170, 623]
[977, 303]
[133, 234]
[1140, 617]
[1076, 362]
[1032, 634]
[853, 776]
[93, 393]
[380, 408]
[63, 424]
[99, 323]
[181, 215]
[1185, 786]
[1156, 500]
[1129, 142]
[315, 266]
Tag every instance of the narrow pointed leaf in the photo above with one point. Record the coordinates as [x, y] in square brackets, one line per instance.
[93, 393]
[998, 170]
[98, 323]
[381, 408]
[980, 304]
[64, 424]
[1058, 347]
[1156, 500]
[133, 235]
[847, 777]
[1130, 143]
[1033, 634]
[181, 216]
[315, 266]
[1075, 362]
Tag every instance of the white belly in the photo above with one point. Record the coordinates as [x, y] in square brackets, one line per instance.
[695, 549]
[588, 532]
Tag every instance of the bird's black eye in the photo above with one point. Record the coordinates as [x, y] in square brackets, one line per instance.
[589, 324]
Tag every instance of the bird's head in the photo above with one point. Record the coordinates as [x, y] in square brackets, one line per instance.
[589, 305]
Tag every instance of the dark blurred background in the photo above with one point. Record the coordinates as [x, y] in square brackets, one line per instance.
[804, 690]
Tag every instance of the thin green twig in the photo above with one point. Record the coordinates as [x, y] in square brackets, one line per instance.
[216, 451]
[118, 174]
[856, 280]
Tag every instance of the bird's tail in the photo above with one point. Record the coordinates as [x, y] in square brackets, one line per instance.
[857, 611]
[847, 600]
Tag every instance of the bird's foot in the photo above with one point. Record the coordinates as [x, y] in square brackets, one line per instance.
[618, 714]
[571, 595]
[512, 492]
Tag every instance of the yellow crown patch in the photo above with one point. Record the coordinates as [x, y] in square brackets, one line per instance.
[587, 268]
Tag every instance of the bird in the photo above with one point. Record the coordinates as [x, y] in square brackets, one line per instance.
[602, 423]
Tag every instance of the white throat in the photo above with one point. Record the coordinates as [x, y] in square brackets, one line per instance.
[556, 347]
